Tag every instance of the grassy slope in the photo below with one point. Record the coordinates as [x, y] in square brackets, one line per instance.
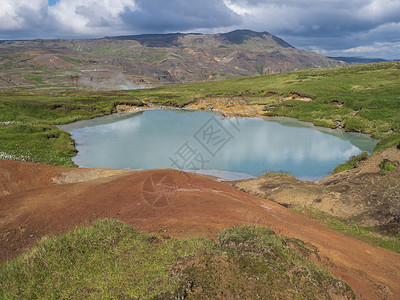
[362, 98]
[369, 235]
[352, 163]
[112, 260]
[28, 119]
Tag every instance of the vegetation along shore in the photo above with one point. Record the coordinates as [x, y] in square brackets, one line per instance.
[360, 98]
[217, 239]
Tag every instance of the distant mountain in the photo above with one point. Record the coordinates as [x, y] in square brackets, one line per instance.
[356, 60]
[129, 61]
[174, 39]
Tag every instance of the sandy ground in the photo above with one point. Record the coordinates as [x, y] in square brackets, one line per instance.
[39, 200]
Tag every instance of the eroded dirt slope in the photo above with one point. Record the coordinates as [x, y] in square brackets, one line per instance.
[366, 195]
[41, 200]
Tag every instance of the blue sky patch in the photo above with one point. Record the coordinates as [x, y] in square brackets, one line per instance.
[52, 2]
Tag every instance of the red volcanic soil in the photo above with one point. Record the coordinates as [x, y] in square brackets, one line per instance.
[38, 200]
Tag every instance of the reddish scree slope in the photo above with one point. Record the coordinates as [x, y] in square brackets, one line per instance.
[37, 200]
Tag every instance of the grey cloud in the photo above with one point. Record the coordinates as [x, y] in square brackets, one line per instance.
[330, 25]
[31, 17]
[173, 15]
[90, 13]
[327, 24]
[331, 17]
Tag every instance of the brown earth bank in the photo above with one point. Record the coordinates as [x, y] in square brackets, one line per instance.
[224, 106]
[39, 200]
[227, 107]
[367, 195]
[244, 106]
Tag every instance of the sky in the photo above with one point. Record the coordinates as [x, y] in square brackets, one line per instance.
[363, 28]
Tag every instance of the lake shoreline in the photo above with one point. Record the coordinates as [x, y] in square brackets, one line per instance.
[244, 111]
[234, 173]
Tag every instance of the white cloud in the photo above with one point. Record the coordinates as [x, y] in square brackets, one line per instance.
[379, 10]
[375, 48]
[384, 32]
[240, 10]
[90, 16]
[17, 15]
[387, 50]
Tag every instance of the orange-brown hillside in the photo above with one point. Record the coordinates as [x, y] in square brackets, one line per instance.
[38, 200]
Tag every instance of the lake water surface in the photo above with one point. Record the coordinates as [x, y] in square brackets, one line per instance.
[201, 141]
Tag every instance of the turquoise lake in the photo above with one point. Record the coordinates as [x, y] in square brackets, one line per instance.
[200, 141]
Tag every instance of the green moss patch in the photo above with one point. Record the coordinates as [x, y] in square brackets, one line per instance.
[112, 260]
[352, 163]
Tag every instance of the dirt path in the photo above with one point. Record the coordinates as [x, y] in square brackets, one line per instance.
[35, 202]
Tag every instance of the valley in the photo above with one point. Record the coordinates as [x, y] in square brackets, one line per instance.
[347, 222]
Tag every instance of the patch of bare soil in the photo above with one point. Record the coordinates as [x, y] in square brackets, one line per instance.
[52, 61]
[363, 195]
[38, 200]
[130, 108]
[297, 97]
[238, 106]
[228, 106]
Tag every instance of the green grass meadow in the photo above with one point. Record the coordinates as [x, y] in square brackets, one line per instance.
[362, 98]
[369, 235]
[110, 260]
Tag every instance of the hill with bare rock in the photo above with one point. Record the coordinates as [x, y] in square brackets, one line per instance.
[129, 62]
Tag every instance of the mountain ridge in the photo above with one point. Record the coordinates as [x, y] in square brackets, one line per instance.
[235, 37]
[150, 59]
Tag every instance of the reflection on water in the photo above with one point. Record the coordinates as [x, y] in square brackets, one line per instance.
[246, 147]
